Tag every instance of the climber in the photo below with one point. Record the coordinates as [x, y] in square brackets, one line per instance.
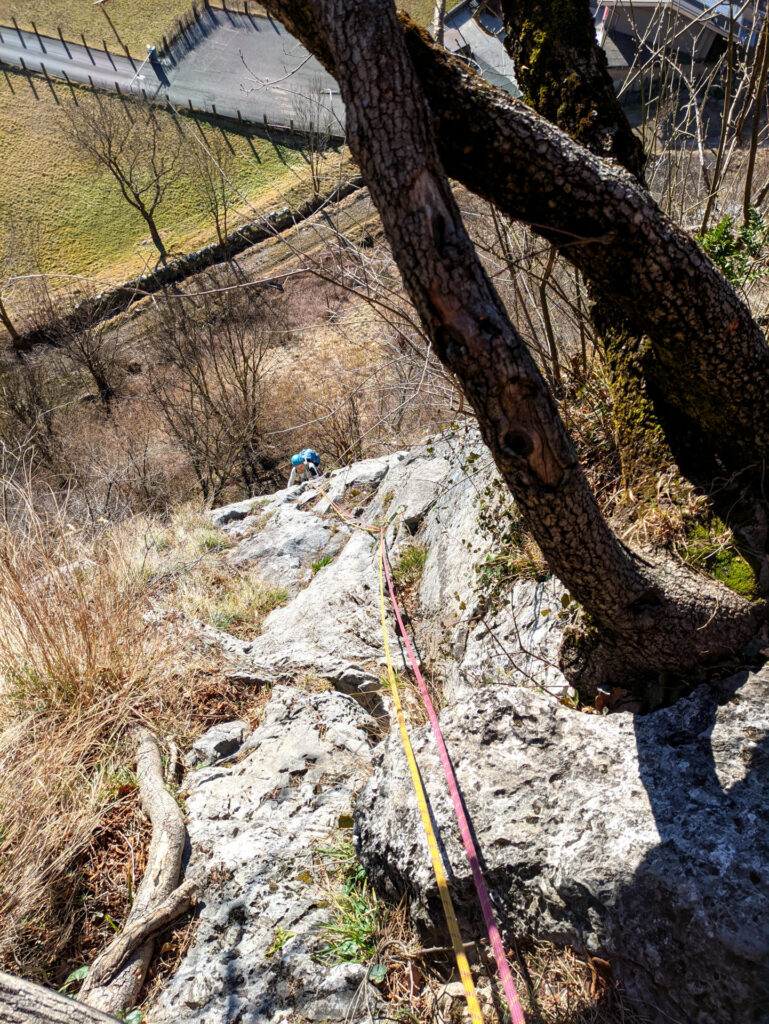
[306, 459]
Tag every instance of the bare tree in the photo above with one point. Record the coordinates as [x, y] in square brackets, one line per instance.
[96, 350]
[211, 167]
[211, 385]
[314, 118]
[126, 139]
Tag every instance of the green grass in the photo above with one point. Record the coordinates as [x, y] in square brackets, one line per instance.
[358, 916]
[710, 547]
[410, 566]
[138, 22]
[81, 223]
[422, 10]
[325, 560]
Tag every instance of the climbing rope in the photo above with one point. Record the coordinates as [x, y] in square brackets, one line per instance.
[508, 986]
[424, 811]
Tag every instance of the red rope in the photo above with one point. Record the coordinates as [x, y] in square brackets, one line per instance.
[513, 1002]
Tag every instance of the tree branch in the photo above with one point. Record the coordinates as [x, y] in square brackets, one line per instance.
[116, 976]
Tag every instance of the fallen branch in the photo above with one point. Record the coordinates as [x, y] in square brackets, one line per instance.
[136, 933]
[116, 976]
[22, 1002]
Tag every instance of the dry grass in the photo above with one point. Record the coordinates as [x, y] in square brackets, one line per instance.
[86, 650]
[556, 985]
[137, 22]
[89, 229]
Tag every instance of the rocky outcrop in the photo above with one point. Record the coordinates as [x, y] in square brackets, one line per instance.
[255, 830]
[331, 626]
[640, 838]
[644, 839]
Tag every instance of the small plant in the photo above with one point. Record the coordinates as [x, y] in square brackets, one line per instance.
[710, 547]
[515, 555]
[325, 560]
[281, 938]
[77, 975]
[210, 541]
[410, 566]
[739, 254]
[358, 915]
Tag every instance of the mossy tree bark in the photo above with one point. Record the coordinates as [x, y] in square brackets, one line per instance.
[564, 76]
[647, 617]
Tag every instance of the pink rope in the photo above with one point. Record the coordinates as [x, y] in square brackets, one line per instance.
[513, 1002]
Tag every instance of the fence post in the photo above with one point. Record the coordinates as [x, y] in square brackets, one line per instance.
[213, 107]
[117, 88]
[189, 101]
[23, 65]
[91, 82]
[265, 120]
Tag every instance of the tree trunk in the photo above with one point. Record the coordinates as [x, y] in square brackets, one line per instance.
[648, 619]
[155, 234]
[22, 1002]
[712, 359]
[6, 321]
[564, 76]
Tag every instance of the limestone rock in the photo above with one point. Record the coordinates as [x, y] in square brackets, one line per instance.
[642, 838]
[218, 742]
[254, 830]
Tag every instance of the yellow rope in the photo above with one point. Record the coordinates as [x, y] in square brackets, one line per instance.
[435, 856]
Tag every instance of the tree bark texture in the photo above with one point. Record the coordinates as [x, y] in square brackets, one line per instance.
[564, 76]
[116, 976]
[390, 134]
[711, 361]
[22, 1002]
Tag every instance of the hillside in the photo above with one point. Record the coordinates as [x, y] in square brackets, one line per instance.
[465, 720]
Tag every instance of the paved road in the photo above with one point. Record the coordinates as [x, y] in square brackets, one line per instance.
[231, 61]
[487, 49]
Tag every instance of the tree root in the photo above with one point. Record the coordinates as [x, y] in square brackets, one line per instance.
[116, 976]
[684, 623]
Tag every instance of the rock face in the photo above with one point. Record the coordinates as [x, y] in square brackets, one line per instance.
[642, 838]
[254, 831]
[219, 742]
[331, 626]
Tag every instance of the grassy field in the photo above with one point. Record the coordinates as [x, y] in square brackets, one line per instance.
[82, 224]
[136, 22]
